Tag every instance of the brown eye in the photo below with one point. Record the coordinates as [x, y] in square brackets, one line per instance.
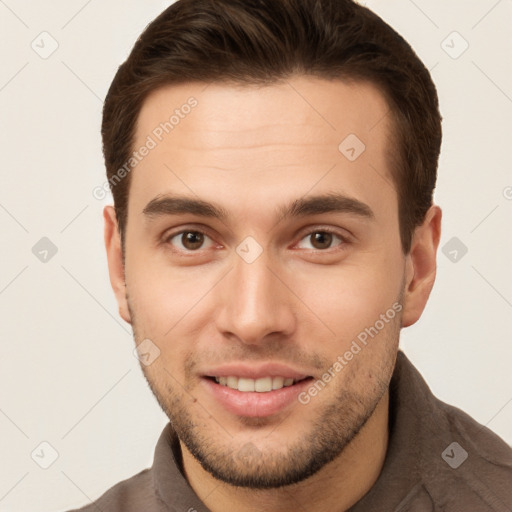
[192, 240]
[189, 240]
[321, 240]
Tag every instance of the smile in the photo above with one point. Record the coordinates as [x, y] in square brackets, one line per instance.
[261, 385]
[260, 397]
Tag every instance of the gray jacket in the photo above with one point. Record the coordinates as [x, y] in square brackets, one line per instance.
[438, 459]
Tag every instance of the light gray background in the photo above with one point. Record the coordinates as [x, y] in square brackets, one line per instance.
[68, 376]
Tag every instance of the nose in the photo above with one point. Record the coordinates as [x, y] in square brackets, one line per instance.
[256, 302]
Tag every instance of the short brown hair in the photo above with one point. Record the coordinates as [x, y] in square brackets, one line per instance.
[263, 42]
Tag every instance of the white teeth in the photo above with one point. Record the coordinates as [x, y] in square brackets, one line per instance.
[264, 384]
[261, 385]
[277, 382]
[245, 384]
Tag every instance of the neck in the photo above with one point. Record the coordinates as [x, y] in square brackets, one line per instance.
[337, 486]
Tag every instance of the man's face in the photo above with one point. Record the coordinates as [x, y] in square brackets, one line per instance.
[257, 296]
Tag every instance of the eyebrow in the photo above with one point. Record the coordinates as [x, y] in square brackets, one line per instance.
[164, 205]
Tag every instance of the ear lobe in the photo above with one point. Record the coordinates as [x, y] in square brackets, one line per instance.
[115, 261]
[421, 266]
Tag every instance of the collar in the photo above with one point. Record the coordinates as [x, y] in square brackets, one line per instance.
[414, 475]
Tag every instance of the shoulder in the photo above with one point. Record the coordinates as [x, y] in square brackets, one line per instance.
[484, 444]
[455, 462]
[474, 465]
[131, 495]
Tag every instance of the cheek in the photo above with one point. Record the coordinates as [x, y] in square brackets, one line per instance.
[162, 294]
[350, 296]
[168, 306]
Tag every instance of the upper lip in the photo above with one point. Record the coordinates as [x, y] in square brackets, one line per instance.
[255, 372]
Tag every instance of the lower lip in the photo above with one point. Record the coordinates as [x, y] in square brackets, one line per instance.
[254, 404]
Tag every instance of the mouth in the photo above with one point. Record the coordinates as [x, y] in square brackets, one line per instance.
[260, 385]
[256, 398]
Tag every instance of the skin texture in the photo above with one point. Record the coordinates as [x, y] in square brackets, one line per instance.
[302, 302]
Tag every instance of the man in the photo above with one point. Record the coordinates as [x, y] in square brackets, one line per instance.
[272, 164]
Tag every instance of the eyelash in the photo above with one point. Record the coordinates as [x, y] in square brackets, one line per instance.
[344, 239]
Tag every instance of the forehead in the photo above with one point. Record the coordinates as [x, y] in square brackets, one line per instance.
[314, 102]
[263, 141]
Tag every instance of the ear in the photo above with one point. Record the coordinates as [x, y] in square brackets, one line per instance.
[115, 261]
[421, 266]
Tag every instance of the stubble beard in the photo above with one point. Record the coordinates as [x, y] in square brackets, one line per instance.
[242, 464]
